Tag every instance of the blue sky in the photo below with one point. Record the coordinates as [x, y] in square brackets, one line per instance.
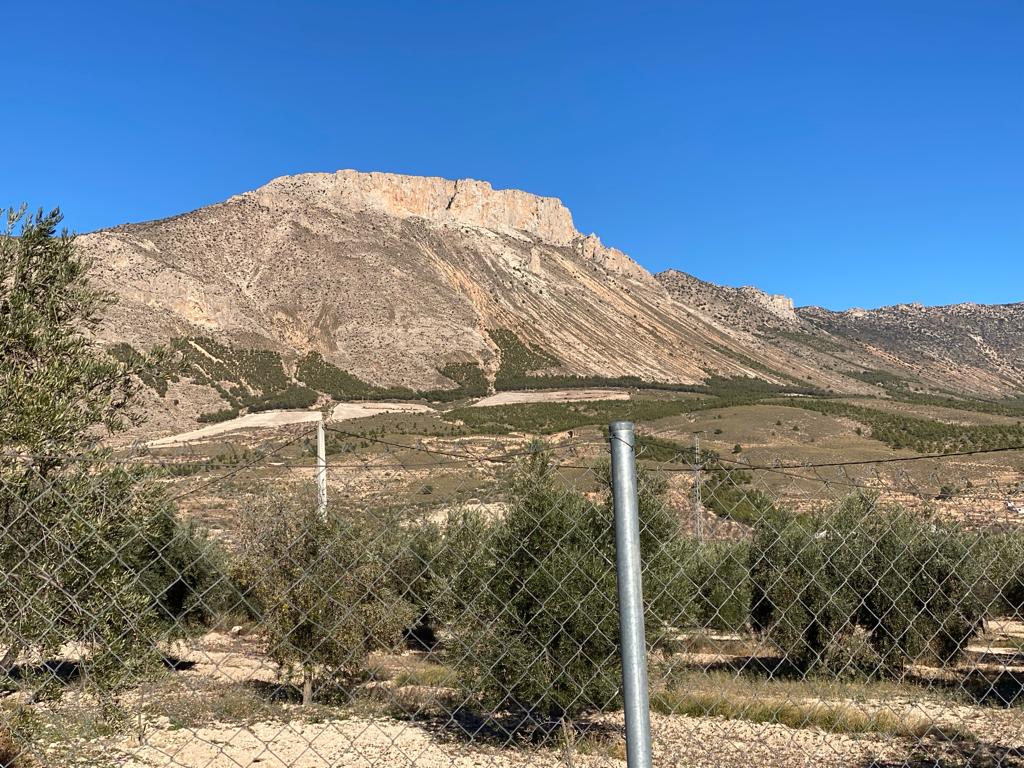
[846, 153]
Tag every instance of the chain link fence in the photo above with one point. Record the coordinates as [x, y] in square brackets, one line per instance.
[455, 604]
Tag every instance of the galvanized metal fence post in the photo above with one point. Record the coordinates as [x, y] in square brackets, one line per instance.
[631, 598]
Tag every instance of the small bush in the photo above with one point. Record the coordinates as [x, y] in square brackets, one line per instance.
[411, 554]
[320, 587]
[1002, 585]
[727, 493]
[864, 589]
[190, 575]
[114, 569]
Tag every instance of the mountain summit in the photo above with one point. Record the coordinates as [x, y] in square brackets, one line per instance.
[393, 279]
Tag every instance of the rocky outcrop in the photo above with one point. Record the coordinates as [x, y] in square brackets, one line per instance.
[747, 307]
[463, 201]
[965, 347]
[775, 303]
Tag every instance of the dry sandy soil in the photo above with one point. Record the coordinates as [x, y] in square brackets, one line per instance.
[381, 743]
[345, 411]
[552, 396]
[264, 733]
[341, 412]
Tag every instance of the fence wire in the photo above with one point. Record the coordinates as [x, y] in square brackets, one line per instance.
[456, 606]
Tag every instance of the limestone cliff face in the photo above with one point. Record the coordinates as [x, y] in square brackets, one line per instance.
[779, 305]
[462, 201]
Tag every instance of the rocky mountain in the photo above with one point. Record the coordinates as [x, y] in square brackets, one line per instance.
[401, 281]
[745, 307]
[964, 348]
[974, 347]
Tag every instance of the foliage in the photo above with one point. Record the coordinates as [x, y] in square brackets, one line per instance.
[251, 373]
[213, 417]
[190, 574]
[1002, 585]
[1011, 406]
[745, 389]
[54, 385]
[922, 435]
[152, 376]
[718, 572]
[290, 397]
[517, 360]
[899, 388]
[538, 628]
[320, 587]
[87, 551]
[256, 379]
[461, 563]
[723, 490]
[470, 379]
[726, 492]
[436, 568]
[323, 376]
[864, 589]
[410, 553]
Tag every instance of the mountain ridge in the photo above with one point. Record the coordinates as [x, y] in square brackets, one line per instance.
[394, 279]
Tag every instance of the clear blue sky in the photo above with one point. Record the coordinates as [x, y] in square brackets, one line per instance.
[846, 153]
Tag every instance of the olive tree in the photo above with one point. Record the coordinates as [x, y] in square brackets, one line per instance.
[320, 586]
[89, 546]
[536, 630]
[866, 589]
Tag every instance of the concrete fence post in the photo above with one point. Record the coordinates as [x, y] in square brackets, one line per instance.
[321, 470]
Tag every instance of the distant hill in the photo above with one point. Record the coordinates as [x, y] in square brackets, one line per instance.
[378, 285]
[973, 349]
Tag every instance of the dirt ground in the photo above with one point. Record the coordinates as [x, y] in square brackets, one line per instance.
[372, 743]
[216, 712]
[552, 396]
[265, 419]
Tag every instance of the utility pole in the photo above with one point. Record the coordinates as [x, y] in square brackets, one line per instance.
[321, 470]
[698, 512]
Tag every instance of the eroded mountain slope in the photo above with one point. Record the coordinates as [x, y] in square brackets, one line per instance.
[403, 281]
[392, 277]
[965, 348]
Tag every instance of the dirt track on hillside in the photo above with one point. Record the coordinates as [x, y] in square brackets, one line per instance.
[552, 396]
[265, 419]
